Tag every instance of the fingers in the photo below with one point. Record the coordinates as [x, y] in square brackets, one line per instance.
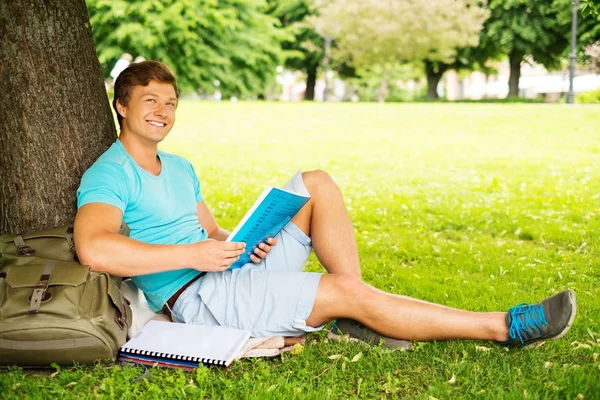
[258, 255]
[261, 251]
[226, 253]
[233, 253]
[234, 245]
[232, 249]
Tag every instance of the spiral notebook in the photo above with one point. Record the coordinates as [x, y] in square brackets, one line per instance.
[183, 345]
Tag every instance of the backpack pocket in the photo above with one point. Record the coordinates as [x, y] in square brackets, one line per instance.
[43, 286]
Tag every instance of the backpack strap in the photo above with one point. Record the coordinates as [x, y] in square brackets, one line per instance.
[71, 239]
[39, 294]
[22, 248]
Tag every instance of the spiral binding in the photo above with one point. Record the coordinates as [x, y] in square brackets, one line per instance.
[173, 356]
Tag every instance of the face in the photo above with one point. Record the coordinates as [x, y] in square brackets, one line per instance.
[150, 113]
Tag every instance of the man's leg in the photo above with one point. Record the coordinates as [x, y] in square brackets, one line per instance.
[401, 317]
[326, 221]
[407, 318]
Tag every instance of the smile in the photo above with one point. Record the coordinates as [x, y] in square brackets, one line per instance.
[156, 123]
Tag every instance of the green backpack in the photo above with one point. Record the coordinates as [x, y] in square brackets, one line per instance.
[53, 309]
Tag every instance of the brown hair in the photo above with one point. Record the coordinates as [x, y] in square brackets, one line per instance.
[140, 74]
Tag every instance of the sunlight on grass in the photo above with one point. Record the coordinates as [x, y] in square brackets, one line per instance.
[473, 206]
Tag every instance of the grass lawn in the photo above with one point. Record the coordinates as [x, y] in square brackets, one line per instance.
[474, 206]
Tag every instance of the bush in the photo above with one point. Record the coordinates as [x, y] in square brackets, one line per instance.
[588, 97]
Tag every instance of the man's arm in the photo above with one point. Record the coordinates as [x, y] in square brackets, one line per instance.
[214, 231]
[100, 246]
[208, 222]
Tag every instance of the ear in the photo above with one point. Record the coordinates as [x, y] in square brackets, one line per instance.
[121, 109]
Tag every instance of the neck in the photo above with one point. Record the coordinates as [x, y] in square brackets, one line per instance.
[144, 153]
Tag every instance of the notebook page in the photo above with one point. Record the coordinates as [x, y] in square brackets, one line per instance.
[174, 340]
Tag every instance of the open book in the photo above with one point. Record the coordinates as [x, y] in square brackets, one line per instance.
[185, 346]
[273, 209]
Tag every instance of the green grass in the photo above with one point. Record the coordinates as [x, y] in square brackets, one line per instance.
[473, 206]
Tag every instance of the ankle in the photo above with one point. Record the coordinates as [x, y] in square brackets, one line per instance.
[499, 332]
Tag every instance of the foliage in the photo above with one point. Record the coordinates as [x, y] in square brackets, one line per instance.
[536, 28]
[474, 206]
[588, 40]
[232, 41]
[391, 32]
[592, 97]
[305, 47]
[387, 32]
[368, 81]
[590, 7]
[304, 50]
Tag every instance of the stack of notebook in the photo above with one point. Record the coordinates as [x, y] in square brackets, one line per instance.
[169, 344]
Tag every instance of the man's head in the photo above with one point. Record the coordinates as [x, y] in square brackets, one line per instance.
[140, 74]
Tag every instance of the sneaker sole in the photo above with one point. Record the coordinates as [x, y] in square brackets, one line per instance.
[343, 338]
[347, 338]
[565, 329]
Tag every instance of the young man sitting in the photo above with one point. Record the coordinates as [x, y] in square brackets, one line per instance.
[178, 256]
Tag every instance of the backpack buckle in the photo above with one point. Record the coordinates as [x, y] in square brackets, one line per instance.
[121, 317]
[39, 294]
[25, 250]
[22, 248]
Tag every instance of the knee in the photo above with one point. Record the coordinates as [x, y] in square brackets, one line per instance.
[317, 180]
[338, 296]
[346, 287]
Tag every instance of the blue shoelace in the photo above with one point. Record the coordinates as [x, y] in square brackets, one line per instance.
[528, 319]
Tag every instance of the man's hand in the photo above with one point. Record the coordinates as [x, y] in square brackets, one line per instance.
[213, 256]
[262, 250]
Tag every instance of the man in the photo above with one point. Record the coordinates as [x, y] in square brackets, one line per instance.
[178, 256]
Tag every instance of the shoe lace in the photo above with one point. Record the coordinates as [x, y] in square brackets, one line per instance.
[526, 318]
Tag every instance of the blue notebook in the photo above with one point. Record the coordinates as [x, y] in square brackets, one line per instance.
[273, 209]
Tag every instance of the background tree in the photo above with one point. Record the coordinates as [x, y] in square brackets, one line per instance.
[56, 119]
[493, 39]
[304, 47]
[388, 32]
[590, 7]
[232, 41]
[528, 29]
[466, 59]
[588, 39]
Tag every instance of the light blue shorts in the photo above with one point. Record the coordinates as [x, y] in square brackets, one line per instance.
[272, 298]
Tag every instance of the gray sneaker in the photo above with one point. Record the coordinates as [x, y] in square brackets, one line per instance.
[354, 331]
[551, 319]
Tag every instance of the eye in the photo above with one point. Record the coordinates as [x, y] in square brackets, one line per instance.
[172, 104]
[151, 100]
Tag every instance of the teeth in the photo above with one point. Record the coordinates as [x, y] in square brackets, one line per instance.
[156, 123]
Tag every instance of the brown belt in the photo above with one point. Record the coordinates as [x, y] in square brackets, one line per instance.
[173, 299]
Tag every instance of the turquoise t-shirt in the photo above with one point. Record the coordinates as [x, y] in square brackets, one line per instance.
[158, 209]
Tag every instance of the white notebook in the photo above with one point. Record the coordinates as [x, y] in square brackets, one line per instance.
[171, 341]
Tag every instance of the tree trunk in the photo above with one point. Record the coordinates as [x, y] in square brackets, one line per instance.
[56, 118]
[515, 59]
[311, 80]
[382, 91]
[434, 72]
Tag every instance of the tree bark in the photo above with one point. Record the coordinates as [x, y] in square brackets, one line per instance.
[515, 59]
[434, 75]
[55, 114]
[311, 80]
